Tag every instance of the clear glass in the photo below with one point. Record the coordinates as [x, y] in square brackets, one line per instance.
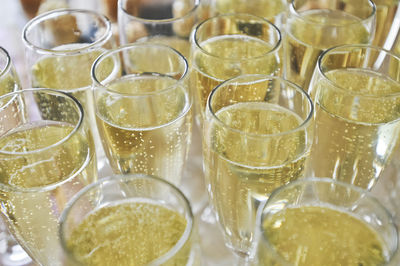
[130, 200]
[60, 47]
[46, 156]
[229, 45]
[313, 26]
[143, 109]
[257, 136]
[167, 22]
[357, 125]
[11, 252]
[317, 201]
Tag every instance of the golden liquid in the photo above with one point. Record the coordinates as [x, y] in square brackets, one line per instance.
[146, 134]
[385, 13]
[355, 135]
[182, 45]
[129, 233]
[272, 10]
[233, 55]
[39, 184]
[71, 74]
[317, 31]
[67, 73]
[8, 84]
[397, 47]
[317, 235]
[242, 170]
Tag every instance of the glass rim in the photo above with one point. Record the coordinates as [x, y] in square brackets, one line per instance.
[261, 78]
[189, 229]
[349, 48]
[61, 12]
[7, 66]
[132, 46]
[293, 10]
[312, 180]
[274, 49]
[77, 126]
[158, 21]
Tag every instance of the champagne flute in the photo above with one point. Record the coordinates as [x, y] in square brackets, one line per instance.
[133, 220]
[223, 47]
[167, 22]
[229, 45]
[46, 156]
[257, 136]
[357, 123]
[315, 25]
[61, 46]
[12, 254]
[143, 109]
[320, 221]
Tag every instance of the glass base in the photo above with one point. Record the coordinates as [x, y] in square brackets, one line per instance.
[11, 253]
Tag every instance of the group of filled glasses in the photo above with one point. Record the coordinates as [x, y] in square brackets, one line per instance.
[297, 102]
